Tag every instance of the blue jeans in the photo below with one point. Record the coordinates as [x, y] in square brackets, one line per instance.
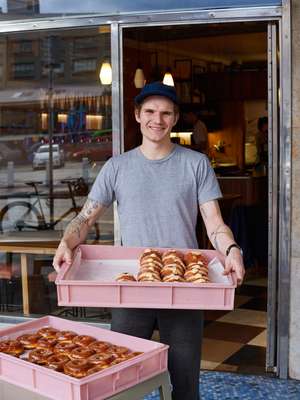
[181, 330]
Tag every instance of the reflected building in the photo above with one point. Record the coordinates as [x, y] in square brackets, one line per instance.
[24, 7]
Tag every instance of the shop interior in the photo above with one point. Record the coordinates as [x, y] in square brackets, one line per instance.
[220, 73]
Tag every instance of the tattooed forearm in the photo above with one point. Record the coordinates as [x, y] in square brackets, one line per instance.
[214, 236]
[82, 220]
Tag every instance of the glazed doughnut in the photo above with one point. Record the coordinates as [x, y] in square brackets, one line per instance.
[150, 252]
[101, 359]
[44, 343]
[174, 260]
[57, 362]
[172, 269]
[77, 368]
[150, 268]
[196, 276]
[198, 265]
[28, 340]
[194, 257]
[97, 368]
[48, 332]
[173, 278]
[117, 361]
[172, 252]
[12, 347]
[152, 259]
[65, 348]
[99, 347]
[40, 356]
[81, 353]
[65, 336]
[199, 280]
[83, 340]
[133, 354]
[148, 276]
[125, 277]
[118, 351]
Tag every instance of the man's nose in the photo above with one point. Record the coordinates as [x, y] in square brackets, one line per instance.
[158, 118]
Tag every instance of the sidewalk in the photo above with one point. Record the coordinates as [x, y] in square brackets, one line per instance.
[230, 386]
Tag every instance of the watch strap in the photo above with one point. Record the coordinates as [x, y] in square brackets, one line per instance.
[231, 247]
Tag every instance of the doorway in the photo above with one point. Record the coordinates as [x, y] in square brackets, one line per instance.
[220, 72]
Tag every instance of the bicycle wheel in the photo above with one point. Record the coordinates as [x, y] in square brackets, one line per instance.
[20, 216]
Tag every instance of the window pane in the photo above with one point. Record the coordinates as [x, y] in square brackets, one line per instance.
[29, 8]
[50, 93]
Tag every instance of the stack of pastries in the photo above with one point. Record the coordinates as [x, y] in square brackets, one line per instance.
[67, 352]
[169, 266]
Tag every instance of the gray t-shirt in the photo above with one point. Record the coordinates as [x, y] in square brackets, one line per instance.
[157, 200]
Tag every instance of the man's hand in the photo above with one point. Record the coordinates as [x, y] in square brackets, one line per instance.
[63, 255]
[234, 263]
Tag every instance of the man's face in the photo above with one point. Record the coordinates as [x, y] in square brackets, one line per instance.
[156, 118]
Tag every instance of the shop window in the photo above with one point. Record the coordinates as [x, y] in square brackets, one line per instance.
[88, 65]
[23, 70]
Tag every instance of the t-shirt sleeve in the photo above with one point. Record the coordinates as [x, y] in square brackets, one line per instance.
[208, 186]
[103, 187]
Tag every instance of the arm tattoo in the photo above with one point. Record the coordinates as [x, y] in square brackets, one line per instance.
[222, 229]
[82, 218]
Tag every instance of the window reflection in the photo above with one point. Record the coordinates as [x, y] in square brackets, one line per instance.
[53, 109]
[31, 8]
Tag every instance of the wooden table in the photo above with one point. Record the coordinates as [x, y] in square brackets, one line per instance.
[30, 243]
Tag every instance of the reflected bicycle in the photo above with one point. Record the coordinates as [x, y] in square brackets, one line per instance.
[21, 215]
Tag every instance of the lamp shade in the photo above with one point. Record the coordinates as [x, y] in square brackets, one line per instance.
[105, 74]
[168, 79]
[139, 78]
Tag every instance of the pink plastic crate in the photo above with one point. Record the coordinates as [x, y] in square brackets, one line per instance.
[101, 385]
[90, 282]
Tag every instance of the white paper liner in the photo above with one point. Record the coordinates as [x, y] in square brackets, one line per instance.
[107, 270]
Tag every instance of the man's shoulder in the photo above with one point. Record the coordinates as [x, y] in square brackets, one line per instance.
[124, 157]
[190, 154]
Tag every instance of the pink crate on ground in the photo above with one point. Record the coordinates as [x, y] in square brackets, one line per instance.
[98, 386]
[90, 282]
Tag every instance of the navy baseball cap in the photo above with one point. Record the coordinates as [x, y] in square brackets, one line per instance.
[157, 89]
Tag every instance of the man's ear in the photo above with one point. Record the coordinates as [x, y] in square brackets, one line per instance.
[176, 119]
[137, 115]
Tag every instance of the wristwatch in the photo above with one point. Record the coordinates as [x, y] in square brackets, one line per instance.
[231, 247]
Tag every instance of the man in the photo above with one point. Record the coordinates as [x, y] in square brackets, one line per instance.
[158, 187]
[199, 137]
[262, 140]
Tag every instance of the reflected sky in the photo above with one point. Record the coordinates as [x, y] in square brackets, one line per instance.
[117, 6]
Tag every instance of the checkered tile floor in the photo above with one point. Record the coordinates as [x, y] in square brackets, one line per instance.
[236, 340]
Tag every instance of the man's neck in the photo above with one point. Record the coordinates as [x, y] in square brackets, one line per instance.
[156, 151]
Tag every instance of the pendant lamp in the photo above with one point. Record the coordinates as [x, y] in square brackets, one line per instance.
[139, 78]
[168, 78]
[105, 74]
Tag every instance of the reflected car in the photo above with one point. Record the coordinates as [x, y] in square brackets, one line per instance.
[41, 156]
[93, 151]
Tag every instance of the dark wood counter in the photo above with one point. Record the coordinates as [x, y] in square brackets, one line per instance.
[252, 190]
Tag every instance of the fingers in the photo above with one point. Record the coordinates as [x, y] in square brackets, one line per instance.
[61, 257]
[235, 266]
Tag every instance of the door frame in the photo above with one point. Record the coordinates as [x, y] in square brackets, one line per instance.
[279, 14]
